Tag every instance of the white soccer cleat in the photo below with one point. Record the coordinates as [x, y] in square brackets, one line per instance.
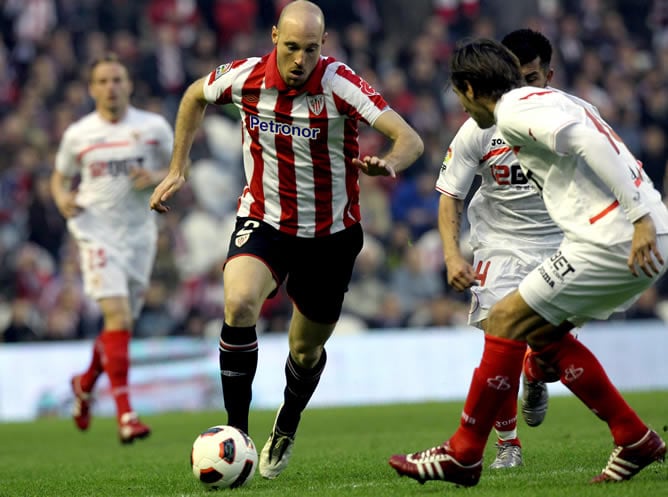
[276, 452]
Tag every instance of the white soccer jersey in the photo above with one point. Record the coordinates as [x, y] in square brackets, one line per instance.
[298, 145]
[103, 153]
[506, 212]
[578, 200]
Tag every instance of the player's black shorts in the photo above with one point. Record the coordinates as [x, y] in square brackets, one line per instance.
[318, 270]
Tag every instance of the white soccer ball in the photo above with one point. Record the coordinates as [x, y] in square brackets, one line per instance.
[223, 457]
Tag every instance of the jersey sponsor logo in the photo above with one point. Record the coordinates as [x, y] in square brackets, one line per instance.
[285, 129]
[546, 276]
[561, 266]
[316, 103]
[555, 269]
[505, 175]
[116, 167]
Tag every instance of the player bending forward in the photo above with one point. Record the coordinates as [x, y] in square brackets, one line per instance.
[615, 242]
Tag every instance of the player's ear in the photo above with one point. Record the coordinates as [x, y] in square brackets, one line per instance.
[469, 92]
[274, 35]
[549, 75]
[324, 37]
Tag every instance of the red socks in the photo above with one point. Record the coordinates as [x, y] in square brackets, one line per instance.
[583, 374]
[494, 381]
[506, 418]
[116, 363]
[95, 369]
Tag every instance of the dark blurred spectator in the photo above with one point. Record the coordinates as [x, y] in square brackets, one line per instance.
[646, 306]
[46, 227]
[119, 15]
[32, 269]
[164, 69]
[181, 15]
[654, 156]
[390, 314]
[234, 17]
[23, 321]
[415, 203]
[155, 319]
[414, 283]
[367, 288]
[276, 313]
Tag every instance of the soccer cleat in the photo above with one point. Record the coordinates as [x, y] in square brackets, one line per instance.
[626, 462]
[508, 455]
[130, 428]
[534, 401]
[82, 404]
[276, 452]
[437, 463]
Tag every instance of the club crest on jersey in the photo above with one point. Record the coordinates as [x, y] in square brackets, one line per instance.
[240, 240]
[220, 70]
[316, 103]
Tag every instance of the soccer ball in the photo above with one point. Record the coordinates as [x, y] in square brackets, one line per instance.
[223, 457]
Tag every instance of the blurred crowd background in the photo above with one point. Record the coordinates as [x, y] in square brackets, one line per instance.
[613, 53]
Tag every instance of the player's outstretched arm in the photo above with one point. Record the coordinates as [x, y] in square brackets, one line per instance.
[188, 120]
[407, 146]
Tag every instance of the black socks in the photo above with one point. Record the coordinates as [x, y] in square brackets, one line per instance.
[238, 363]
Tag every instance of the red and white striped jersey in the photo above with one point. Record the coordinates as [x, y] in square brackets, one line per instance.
[104, 153]
[298, 144]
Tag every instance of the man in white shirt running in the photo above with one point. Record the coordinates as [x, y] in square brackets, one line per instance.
[119, 152]
[511, 232]
[615, 242]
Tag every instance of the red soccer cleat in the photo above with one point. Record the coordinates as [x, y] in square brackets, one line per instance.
[437, 463]
[82, 402]
[130, 428]
[626, 462]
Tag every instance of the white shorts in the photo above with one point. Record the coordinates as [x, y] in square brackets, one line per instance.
[499, 273]
[582, 281]
[110, 271]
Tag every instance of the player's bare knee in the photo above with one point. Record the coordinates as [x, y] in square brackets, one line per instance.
[304, 354]
[241, 310]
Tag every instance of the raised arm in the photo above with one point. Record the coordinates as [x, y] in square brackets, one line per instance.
[188, 120]
[406, 148]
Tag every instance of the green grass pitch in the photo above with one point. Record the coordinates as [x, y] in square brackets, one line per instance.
[338, 452]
